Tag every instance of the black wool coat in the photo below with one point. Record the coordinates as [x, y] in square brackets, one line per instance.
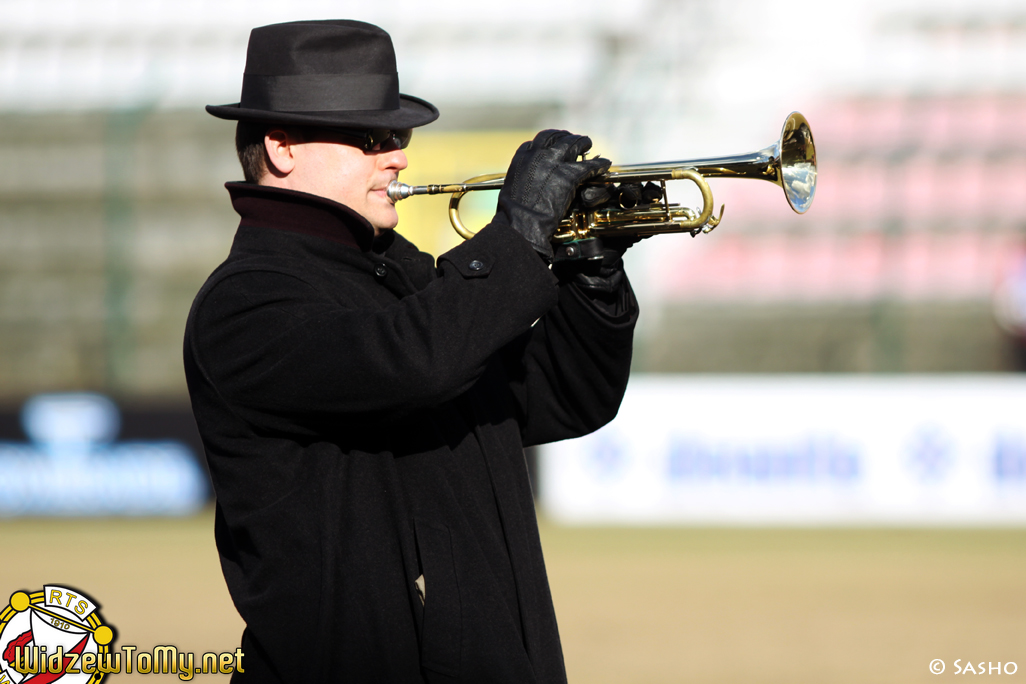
[364, 414]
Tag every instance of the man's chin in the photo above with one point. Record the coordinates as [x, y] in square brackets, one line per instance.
[384, 226]
[386, 220]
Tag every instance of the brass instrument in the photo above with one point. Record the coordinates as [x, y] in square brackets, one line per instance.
[789, 163]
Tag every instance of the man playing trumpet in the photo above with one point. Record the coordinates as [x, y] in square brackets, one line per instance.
[363, 408]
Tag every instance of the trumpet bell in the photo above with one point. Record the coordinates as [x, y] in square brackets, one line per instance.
[798, 163]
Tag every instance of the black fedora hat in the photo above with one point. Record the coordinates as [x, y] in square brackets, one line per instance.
[324, 73]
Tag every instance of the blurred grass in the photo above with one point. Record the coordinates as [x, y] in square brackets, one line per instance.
[634, 605]
[784, 605]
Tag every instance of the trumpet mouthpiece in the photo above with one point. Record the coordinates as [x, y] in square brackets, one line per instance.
[398, 191]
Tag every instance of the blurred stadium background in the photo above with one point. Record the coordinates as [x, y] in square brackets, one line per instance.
[911, 261]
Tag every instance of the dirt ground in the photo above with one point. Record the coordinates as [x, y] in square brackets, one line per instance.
[634, 605]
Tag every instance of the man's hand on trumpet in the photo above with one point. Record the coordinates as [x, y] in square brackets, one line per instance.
[541, 183]
[596, 263]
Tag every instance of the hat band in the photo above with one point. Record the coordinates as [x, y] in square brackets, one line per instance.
[320, 92]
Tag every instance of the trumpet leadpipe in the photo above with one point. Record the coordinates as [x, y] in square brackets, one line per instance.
[400, 191]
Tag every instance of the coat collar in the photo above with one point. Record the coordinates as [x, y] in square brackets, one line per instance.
[300, 212]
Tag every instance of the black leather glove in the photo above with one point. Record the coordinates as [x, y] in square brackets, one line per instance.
[602, 271]
[595, 264]
[541, 182]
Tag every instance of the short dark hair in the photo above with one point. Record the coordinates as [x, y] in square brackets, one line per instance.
[249, 145]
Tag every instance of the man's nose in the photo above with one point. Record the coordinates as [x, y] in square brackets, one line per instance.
[396, 159]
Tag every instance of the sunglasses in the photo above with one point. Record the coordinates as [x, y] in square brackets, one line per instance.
[373, 139]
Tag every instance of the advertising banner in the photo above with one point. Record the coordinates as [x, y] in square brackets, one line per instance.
[73, 465]
[799, 450]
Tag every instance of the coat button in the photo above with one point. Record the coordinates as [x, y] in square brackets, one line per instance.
[475, 265]
[380, 271]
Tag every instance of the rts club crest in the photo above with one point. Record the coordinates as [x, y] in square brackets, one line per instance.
[53, 634]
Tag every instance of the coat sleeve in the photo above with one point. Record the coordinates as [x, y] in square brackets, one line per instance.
[569, 373]
[282, 353]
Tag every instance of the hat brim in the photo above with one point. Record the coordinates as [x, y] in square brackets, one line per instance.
[412, 112]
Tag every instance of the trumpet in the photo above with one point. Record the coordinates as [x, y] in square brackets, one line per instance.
[790, 163]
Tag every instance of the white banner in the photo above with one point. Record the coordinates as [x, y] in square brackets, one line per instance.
[799, 450]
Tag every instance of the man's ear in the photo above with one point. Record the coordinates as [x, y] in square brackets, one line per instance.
[278, 149]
